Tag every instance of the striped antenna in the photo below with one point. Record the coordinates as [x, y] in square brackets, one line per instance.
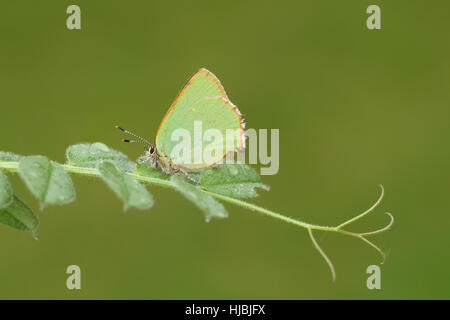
[141, 140]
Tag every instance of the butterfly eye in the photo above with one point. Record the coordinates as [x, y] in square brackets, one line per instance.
[151, 149]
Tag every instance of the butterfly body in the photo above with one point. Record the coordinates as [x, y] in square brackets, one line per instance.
[160, 161]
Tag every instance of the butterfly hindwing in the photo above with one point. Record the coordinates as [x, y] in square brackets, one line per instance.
[200, 85]
[201, 99]
[222, 130]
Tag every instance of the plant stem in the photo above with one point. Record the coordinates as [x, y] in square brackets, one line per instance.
[270, 213]
[13, 167]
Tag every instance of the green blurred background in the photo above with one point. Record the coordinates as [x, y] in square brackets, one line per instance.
[355, 108]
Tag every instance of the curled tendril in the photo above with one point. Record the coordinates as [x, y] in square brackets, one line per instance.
[324, 255]
[387, 227]
[361, 235]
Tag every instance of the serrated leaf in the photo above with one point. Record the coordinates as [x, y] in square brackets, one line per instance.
[6, 194]
[210, 206]
[46, 180]
[233, 180]
[8, 156]
[18, 215]
[145, 169]
[132, 193]
[89, 155]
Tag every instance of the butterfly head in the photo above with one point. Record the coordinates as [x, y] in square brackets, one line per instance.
[150, 149]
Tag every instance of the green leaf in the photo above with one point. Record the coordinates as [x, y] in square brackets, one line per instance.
[132, 193]
[46, 180]
[194, 175]
[89, 155]
[210, 206]
[145, 169]
[9, 157]
[18, 215]
[233, 180]
[6, 194]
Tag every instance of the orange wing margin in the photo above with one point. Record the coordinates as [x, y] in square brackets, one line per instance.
[202, 70]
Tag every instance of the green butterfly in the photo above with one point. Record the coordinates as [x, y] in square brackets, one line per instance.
[202, 99]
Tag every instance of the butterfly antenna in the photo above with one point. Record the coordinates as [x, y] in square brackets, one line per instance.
[141, 140]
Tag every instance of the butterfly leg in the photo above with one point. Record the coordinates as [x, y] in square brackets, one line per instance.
[154, 162]
[187, 175]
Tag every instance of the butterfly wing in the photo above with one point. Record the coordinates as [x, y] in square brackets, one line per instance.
[201, 99]
[201, 84]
